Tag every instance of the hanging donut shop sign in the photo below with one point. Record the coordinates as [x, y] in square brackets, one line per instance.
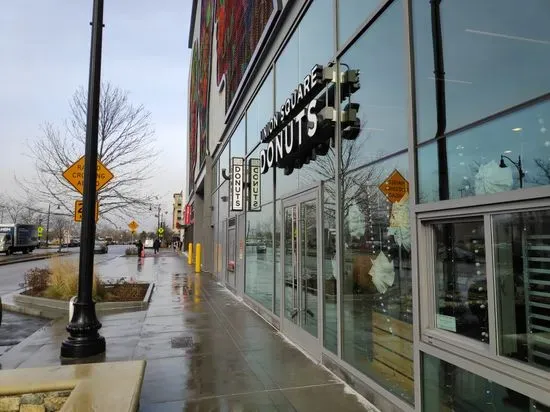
[301, 130]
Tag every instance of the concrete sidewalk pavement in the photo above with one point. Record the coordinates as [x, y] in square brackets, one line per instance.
[205, 350]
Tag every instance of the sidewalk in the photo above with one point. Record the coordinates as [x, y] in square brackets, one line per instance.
[205, 350]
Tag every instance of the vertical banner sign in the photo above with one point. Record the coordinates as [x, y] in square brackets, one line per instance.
[187, 218]
[255, 189]
[236, 184]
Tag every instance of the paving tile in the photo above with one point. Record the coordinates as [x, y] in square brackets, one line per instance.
[323, 398]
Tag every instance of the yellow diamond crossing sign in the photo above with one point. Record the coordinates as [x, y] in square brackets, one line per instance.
[133, 225]
[75, 175]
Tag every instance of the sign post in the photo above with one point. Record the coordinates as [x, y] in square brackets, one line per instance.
[84, 340]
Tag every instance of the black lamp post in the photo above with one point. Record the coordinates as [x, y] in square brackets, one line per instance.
[518, 166]
[84, 339]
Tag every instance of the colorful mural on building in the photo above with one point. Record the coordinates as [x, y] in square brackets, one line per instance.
[199, 87]
[240, 25]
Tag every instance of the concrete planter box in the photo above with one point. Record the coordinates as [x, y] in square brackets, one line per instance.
[54, 308]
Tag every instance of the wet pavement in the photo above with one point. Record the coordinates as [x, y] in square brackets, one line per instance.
[16, 327]
[205, 349]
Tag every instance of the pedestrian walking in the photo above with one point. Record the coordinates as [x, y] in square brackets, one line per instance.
[140, 248]
[156, 245]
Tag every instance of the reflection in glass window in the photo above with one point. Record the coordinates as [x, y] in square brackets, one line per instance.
[486, 159]
[461, 279]
[447, 387]
[380, 56]
[231, 253]
[238, 140]
[351, 14]
[496, 55]
[259, 113]
[277, 247]
[266, 180]
[330, 270]
[377, 286]
[302, 51]
[522, 270]
[224, 200]
[260, 256]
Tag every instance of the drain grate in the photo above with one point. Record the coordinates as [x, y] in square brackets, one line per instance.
[182, 342]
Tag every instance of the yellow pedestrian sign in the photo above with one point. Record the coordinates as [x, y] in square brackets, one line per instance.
[161, 231]
[133, 225]
[40, 231]
[75, 175]
[78, 207]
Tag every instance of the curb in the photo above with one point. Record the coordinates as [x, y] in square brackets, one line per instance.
[8, 307]
[32, 258]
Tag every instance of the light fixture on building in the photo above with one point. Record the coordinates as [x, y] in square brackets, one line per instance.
[517, 129]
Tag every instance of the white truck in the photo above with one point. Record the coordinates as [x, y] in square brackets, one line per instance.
[18, 238]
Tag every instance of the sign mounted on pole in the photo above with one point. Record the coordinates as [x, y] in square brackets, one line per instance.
[394, 187]
[75, 175]
[40, 231]
[161, 231]
[236, 184]
[133, 225]
[254, 188]
[78, 206]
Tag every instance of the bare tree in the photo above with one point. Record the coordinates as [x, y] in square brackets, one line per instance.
[60, 226]
[125, 148]
[14, 210]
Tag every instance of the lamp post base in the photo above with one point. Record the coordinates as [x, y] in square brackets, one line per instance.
[83, 340]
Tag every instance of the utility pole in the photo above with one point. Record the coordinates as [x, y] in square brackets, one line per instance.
[48, 226]
[84, 339]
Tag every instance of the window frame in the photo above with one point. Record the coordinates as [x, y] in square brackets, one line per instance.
[434, 342]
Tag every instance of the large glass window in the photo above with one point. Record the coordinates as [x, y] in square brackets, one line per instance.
[380, 56]
[377, 288]
[522, 270]
[511, 152]
[223, 162]
[303, 50]
[238, 140]
[447, 387]
[495, 54]
[260, 256]
[351, 14]
[266, 180]
[259, 113]
[461, 279]
[330, 270]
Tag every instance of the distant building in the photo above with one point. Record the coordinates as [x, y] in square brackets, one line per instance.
[177, 215]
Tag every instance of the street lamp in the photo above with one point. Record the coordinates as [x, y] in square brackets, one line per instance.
[518, 166]
[84, 340]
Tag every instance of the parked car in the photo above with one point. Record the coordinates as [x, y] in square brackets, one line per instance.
[74, 243]
[148, 243]
[100, 247]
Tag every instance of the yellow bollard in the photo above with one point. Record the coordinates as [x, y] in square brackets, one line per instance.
[190, 254]
[198, 258]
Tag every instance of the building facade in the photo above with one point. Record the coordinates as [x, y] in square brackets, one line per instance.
[177, 215]
[373, 178]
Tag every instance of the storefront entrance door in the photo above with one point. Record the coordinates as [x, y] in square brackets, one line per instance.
[301, 305]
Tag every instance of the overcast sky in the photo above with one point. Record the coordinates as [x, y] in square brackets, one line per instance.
[45, 48]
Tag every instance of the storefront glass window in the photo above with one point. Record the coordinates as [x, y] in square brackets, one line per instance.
[351, 14]
[238, 140]
[223, 162]
[330, 270]
[461, 279]
[447, 387]
[260, 256]
[277, 248]
[377, 288]
[495, 56]
[522, 270]
[259, 113]
[486, 159]
[380, 56]
[223, 204]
